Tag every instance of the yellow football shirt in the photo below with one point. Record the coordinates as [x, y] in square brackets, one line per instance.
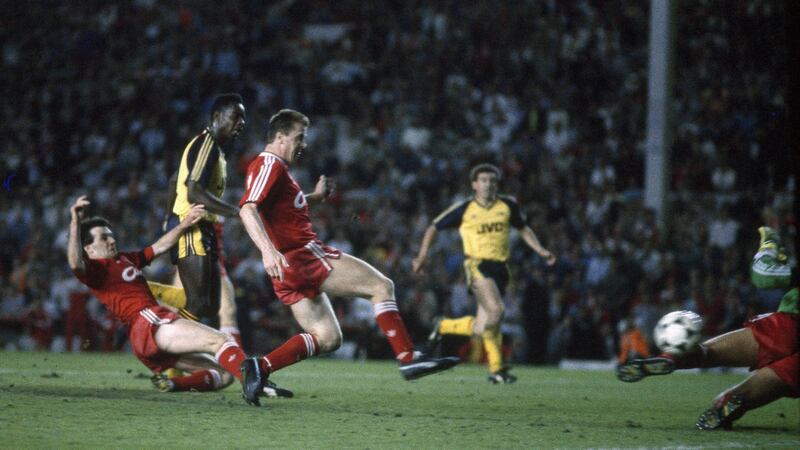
[484, 230]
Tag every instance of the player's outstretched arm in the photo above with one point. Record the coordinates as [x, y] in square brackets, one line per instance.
[533, 242]
[74, 250]
[166, 241]
[427, 240]
[324, 189]
[273, 260]
[196, 193]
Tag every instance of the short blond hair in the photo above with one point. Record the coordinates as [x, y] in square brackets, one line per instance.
[283, 122]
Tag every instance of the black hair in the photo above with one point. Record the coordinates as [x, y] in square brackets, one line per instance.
[223, 101]
[283, 122]
[88, 224]
[484, 168]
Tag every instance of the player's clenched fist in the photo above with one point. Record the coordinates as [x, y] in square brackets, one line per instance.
[77, 208]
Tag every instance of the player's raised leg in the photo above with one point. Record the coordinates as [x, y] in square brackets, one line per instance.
[352, 277]
[462, 326]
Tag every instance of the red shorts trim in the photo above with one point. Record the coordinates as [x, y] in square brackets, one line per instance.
[308, 269]
[776, 334]
[142, 335]
[219, 230]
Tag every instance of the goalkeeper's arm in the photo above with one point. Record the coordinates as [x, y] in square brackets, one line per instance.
[768, 272]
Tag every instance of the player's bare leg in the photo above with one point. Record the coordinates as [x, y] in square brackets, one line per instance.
[185, 336]
[762, 387]
[490, 303]
[316, 317]
[353, 277]
[200, 279]
[227, 310]
[487, 325]
[737, 348]
[479, 325]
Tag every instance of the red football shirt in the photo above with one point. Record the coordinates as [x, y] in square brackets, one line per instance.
[280, 201]
[118, 283]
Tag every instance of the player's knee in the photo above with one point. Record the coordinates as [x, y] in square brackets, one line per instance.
[494, 316]
[383, 289]
[329, 340]
[216, 339]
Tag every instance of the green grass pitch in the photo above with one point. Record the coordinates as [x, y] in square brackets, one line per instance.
[106, 400]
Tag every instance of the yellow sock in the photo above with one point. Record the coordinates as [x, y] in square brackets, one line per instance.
[174, 373]
[493, 343]
[476, 350]
[170, 295]
[461, 326]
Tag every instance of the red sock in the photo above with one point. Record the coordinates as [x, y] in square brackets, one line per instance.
[297, 348]
[203, 380]
[392, 326]
[230, 357]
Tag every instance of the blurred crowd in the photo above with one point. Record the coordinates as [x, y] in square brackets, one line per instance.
[404, 97]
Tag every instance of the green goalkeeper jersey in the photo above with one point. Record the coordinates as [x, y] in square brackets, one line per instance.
[789, 302]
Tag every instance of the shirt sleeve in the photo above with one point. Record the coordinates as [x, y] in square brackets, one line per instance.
[260, 179]
[517, 219]
[201, 160]
[94, 274]
[451, 217]
[141, 258]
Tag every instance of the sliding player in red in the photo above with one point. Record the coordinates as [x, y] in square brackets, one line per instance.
[159, 338]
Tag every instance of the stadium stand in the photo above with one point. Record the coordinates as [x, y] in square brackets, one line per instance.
[405, 97]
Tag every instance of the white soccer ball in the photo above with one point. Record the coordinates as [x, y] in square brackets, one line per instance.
[678, 332]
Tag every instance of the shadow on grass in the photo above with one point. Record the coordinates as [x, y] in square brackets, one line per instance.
[766, 430]
[114, 393]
